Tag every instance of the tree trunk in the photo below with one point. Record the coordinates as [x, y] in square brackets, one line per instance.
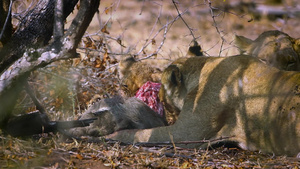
[35, 31]
[28, 48]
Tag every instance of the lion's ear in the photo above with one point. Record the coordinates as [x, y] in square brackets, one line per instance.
[242, 43]
[172, 76]
[296, 45]
[195, 49]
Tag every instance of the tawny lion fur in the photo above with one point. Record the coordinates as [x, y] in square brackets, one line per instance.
[136, 73]
[274, 48]
[256, 105]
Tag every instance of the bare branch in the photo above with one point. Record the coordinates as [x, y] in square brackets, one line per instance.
[149, 39]
[58, 30]
[70, 41]
[149, 144]
[35, 58]
[184, 142]
[34, 98]
[160, 46]
[7, 19]
[190, 29]
[166, 27]
[85, 14]
[34, 31]
[216, 25]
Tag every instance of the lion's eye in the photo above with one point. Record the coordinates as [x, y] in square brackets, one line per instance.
[263, 60]
[290, 65]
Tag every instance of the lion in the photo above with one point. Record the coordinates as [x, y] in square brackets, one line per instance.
[274, 48]
[136, 73]
[237, 98]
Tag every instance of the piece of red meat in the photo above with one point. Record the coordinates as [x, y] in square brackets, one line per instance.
[148, 93]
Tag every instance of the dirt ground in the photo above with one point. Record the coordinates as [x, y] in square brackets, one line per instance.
[143, 28]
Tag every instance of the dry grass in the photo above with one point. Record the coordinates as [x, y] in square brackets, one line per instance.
[141, 28]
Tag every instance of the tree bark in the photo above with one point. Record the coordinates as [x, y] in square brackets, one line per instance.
[34, 31]
[4, 8]
[35, 54]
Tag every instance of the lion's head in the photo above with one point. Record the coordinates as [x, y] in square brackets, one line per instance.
[274, 48]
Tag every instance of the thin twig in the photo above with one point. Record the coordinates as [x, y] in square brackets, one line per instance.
[190, 29]
[166, 27]
[216, 25]
[6, 20]
[34, 98]
[183, 142]
[143, 6]
[149, 39]
[159, 47]
[150, 144]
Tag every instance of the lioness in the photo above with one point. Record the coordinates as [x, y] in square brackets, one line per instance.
[274, 48]
[135, 73]
[256, 105]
